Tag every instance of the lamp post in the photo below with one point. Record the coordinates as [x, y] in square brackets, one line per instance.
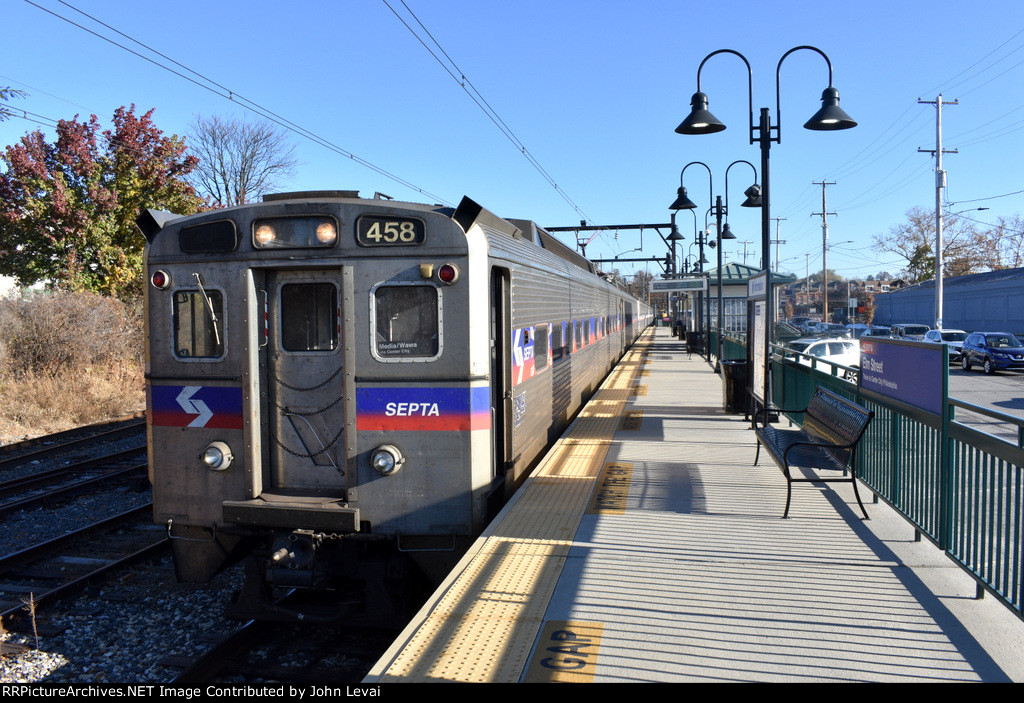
[674, 237]
[698, 267]
[701, 121]
[723, 232]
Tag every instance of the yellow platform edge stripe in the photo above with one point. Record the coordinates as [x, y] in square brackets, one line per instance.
[482, 621]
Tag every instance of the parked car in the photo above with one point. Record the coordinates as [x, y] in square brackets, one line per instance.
[845, 352]
[832, 329]
[799, 320]
[908, 332]
[953, 339]
[992, 351]
[860, 329]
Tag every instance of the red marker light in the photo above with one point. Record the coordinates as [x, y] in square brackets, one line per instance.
[448, 274]
[160, 279]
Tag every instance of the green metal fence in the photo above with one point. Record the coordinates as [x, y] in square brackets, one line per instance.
[961, 488]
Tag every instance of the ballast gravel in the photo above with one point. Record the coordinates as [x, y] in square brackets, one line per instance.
[125, 632]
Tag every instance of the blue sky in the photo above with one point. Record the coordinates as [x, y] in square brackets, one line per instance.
[591, 90]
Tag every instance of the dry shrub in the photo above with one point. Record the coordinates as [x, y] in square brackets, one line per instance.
[67, 359]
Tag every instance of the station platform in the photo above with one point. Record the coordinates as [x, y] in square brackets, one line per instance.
[648, 548]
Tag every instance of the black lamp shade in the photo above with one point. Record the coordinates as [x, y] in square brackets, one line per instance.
[727, 232]
[682, 202]
[700, 120]
[830, 116]
[753, 194]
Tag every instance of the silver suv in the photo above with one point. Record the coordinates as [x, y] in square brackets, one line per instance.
[953, 339]
[913, 332]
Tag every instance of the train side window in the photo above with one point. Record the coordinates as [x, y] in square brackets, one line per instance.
[407, 322]
[540, 347]
[198, 325]
[557, 341]
[309, 317]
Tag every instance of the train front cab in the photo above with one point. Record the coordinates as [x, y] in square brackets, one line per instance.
[297, 399]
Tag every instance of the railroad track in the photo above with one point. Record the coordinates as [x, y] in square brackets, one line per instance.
[80, 439]
[65, 521]
[48, 557]
[61, 565]
[48, 486]
[288, 653]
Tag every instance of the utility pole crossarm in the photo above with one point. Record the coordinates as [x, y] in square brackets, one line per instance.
[777, 239]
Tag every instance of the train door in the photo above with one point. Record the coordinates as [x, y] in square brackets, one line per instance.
[303, 388]
[501, 372]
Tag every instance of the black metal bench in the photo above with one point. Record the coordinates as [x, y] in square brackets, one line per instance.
[827, 440]
[694, 344]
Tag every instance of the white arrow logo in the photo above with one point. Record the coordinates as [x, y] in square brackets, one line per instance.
[194, 406]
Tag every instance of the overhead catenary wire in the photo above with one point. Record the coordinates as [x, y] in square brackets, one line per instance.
[459, 76]
[213, 86]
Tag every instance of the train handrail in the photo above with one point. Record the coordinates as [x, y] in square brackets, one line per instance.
[170, 535]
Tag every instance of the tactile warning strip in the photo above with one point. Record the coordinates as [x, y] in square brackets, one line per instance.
[483, 626]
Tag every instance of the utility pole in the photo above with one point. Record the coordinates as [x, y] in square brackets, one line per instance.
[745, 242]
[777, 241]
[824, 245]
[940, 183]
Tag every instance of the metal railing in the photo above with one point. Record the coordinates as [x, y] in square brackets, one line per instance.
[960, 487]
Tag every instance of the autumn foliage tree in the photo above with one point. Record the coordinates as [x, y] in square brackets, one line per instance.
[67, 208]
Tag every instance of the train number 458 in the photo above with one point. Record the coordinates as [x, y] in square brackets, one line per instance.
[375, 231]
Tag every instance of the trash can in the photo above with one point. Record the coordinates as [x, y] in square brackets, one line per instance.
[734, 385]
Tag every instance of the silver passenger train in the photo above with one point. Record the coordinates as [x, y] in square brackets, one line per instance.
[334, 382]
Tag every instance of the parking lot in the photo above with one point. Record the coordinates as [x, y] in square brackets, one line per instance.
[1003, 392]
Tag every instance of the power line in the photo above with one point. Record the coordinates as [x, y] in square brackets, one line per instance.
[216, 88]
[459, 76]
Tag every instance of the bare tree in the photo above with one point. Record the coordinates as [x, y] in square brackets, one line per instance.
[1003, 244]
[914, 240]
[239, 161]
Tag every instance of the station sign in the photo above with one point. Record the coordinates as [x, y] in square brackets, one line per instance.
[687, 284]
[911, 372]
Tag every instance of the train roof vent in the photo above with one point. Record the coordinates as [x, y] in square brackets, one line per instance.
[311, 195]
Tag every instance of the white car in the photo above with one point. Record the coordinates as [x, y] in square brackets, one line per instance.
[953, 339]
[845, 352]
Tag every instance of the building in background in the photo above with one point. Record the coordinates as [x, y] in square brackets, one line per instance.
[991, 301]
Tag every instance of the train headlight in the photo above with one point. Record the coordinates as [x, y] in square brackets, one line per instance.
[326, 233]
[217, 456]
[386, 459]
[264, 235]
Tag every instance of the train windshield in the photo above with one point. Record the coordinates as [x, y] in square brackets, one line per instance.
[195, 315]
[309, 317]
[406, 322]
